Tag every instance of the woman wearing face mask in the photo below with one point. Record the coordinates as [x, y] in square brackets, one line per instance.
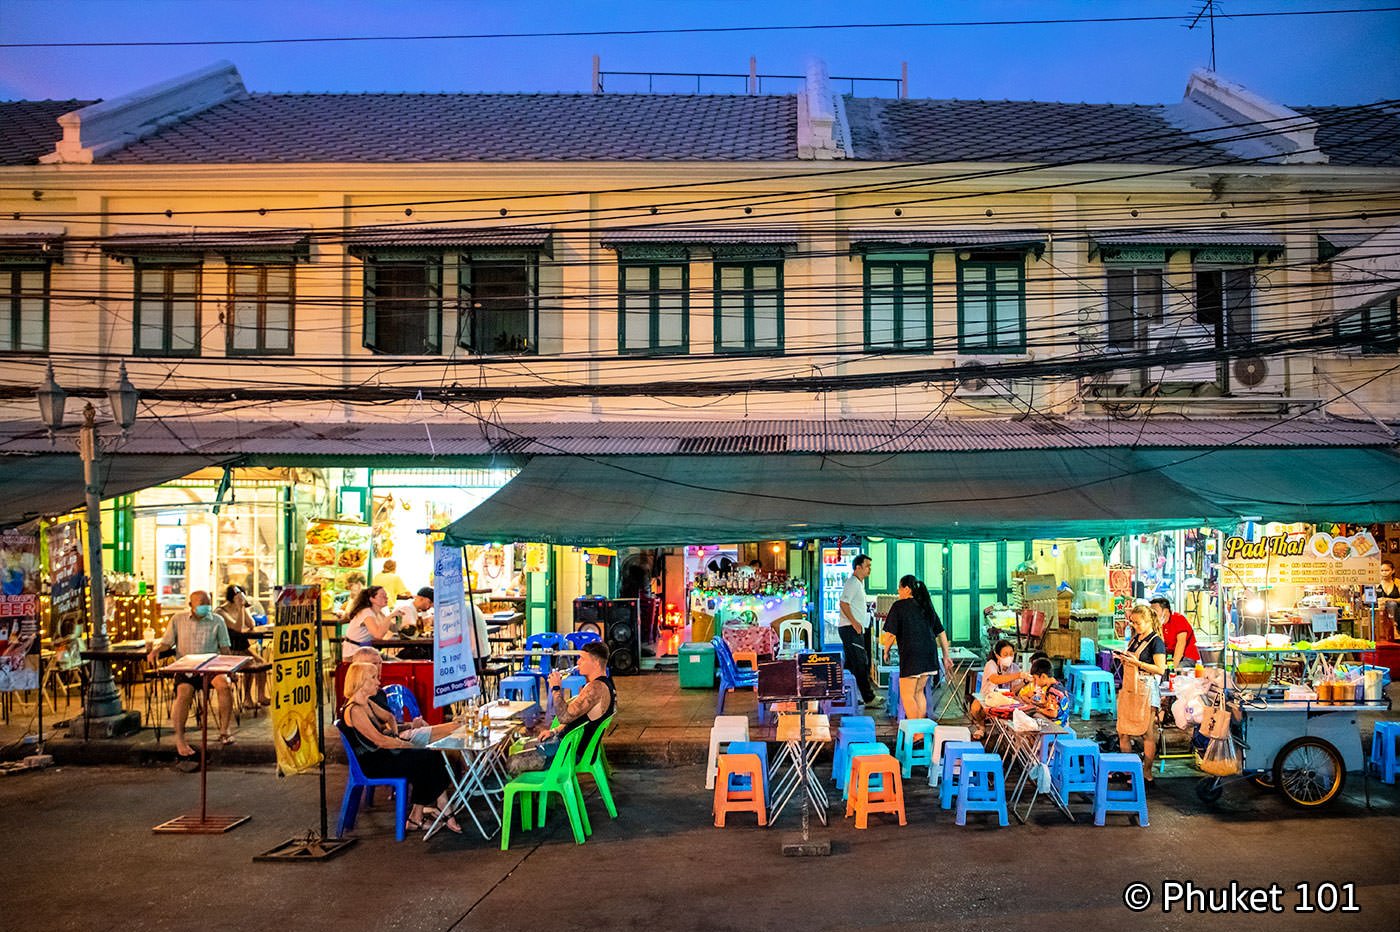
[1000, 673]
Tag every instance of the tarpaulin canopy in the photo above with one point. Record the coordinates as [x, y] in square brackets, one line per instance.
[46, 484]
[988, 495]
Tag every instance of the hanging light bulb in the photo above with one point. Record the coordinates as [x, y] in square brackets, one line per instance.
[1054, 550]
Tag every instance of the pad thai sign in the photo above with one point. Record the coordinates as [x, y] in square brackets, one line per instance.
[1318, 559]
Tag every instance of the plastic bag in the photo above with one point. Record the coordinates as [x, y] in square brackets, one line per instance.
[1219, 759]
[1188, 689]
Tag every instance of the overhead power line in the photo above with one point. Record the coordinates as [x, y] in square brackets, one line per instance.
[689, 30]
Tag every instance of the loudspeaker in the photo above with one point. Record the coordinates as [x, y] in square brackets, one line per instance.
[588, 614]
[622, 633]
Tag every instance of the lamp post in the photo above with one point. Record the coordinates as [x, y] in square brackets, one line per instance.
[104, 703]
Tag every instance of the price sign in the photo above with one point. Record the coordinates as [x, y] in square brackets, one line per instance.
[294, 679]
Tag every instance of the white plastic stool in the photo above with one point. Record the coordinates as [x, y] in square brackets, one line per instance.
[726, 728]
[941, 734]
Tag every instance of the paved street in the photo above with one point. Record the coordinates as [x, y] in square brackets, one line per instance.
[82, 856]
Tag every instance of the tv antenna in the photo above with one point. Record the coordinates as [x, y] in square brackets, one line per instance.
[1207, 10]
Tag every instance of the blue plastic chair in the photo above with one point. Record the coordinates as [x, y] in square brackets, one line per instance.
[578, 639]
[402, 702]
[357, 783]
[1384, 762]
[730, 676]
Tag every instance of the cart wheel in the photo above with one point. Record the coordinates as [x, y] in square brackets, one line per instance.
[1209, 790]
[1309, 772]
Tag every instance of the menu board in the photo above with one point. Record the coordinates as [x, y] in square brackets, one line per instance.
[336, 555]
[811, 676]
[1317, 559]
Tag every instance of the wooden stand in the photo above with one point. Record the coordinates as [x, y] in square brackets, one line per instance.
[204, 823]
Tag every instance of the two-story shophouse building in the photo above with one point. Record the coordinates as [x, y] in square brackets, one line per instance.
[961, 325]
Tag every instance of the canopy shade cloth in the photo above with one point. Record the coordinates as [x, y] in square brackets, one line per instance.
[47, 484]
[987, 495]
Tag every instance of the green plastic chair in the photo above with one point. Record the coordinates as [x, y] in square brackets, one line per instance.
[559, 778]
[594, 763]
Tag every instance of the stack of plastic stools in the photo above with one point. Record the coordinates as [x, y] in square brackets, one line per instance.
[1096, 693]
[1385, 756]
[877, 787]
[757, 748]
[893, 703]
[853, 728]
[849, 703]
[727, 728]
[1133, 800]
[1087, 654]
[983, 787]
[740, 787]
[949, 783]
[521, 687]
[910, 755]
[941, 736]
[1074, 768]
[859, 749]
[1072, 672]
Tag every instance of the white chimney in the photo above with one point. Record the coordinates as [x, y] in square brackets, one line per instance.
[1213, 109]
[816, 117]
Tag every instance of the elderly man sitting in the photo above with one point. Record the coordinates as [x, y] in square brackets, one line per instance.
[201, 630]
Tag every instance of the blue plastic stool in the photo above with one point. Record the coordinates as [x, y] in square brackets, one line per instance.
[740, 782]
[1096, 693]
[358, 783]
[1086, 651]
[1133, 800]
[948, 783]
[904, 749]
[1074, 768]
[1385, 760]
[521, 687]
[853, 728]
[983, 787]
[894, 705]
[858, 749]
[1072, 672]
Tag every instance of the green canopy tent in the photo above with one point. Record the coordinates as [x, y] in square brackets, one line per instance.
[986, 495]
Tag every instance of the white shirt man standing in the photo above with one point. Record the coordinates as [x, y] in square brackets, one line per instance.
[855, 617]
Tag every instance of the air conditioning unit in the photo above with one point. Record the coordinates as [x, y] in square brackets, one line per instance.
[1182, 373]
[973, 382]
[1257, 375]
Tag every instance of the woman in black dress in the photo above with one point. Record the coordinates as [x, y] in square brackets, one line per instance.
[913, 624]
[382, 753]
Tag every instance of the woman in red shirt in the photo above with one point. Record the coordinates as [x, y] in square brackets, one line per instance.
[1177, 632]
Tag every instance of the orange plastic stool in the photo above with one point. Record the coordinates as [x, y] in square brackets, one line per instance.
[865, 800]
[728, 799]
[746, 656]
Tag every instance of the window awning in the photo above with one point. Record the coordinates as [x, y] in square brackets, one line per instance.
[696, 236]
[47, 484]
[31, 244]
[1109, 243]
[247, 245]
[374, 239]
[870, 240]
[664, 500]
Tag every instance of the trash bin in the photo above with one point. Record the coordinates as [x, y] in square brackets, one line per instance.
[697, 665]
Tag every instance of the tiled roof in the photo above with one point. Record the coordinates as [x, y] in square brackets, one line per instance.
[471, 438]
[477, 128]
[890, 130]
[29, 128]
[432, 237]
[1185, 238]
[948, 238]
[1350, 138]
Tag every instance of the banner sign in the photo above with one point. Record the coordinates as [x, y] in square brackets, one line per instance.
[454, 672]
[19, 611]
[294, 679]
[1302, 560]
[66, 613]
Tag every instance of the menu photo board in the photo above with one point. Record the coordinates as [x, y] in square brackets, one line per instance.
[1317, 559]
[336, 555]
[19, 611]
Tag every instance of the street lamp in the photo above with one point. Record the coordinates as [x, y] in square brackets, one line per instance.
[104, 703]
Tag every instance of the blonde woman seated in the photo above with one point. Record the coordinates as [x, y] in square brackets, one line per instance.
[417, 732]
[1000, 673]
[381, 752]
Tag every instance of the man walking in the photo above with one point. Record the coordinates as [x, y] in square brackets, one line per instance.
[855, 616]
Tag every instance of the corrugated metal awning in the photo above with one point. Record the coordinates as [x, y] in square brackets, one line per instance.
[441, 237]
[698, 236]
[1189, 239]
[292, 245]
[949, 239]
[28, 243]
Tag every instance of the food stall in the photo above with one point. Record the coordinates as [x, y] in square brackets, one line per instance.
[336, 558]
[749, 610]
[1299, 685]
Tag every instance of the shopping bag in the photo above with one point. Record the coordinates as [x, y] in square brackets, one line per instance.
[1220, 758]
[1215, 721]
[1134, 704]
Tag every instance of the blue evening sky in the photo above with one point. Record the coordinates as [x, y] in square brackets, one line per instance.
[1298, 60]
